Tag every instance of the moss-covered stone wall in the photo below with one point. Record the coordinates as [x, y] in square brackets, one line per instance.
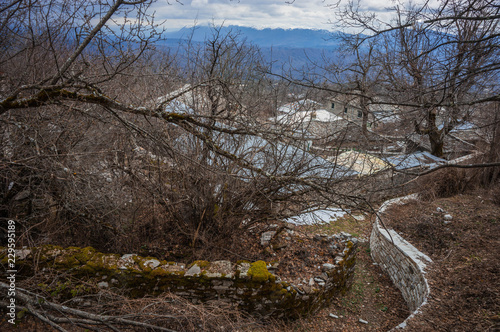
[248, 284]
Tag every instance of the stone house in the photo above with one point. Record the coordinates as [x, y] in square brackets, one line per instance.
[345, 106]
[349, 108]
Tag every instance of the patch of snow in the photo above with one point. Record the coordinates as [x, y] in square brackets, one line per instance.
[325, 116]
[318, 217]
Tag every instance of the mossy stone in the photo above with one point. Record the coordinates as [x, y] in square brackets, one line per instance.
[258, 272]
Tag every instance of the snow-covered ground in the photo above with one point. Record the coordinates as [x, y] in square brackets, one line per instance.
[318, 217]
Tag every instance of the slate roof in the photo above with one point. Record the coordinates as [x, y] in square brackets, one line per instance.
[415, 160]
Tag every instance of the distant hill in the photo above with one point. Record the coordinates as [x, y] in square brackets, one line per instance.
[283, 47]
[289, 38]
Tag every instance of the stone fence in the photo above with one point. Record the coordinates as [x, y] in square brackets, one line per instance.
[404, 263]
[250, 285]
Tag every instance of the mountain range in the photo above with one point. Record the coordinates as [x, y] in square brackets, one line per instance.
[285, 48]
[287, 38]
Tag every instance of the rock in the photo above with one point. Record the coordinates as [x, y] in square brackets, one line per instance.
[319, 279]
[448, 217]
[266, 237]
[362, 239]
[193, 270]
[333, 316]
[152, 263]
[127, 261]
[103, 284]
[272, 266]
[22, 253]
[243, 268]
[363, 321]
[328, 267]
[219, 268]
[317, 237]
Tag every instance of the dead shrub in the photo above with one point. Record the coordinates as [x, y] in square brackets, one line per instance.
[447, 182]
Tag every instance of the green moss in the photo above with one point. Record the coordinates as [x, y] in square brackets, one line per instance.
[66, 261]
[104, 262]
[258, 272]
[49, 251]
[141, 261]
[257, 291]
[160, 272]
[201, 264]
[84, 254]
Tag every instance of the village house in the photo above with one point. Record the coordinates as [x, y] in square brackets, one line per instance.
[345, 106]
[349, 108]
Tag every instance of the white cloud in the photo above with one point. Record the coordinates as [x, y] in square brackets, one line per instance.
[258, 13]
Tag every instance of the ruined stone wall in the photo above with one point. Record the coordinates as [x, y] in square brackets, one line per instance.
[248, 284]
[404, 263]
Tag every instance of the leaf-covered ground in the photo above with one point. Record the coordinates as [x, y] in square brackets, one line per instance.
[464, 277]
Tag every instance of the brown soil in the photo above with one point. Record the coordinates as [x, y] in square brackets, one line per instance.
[464, 277]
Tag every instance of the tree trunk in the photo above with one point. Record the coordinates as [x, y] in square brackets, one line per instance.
[490, 175]
[437, 144]
[365, 111]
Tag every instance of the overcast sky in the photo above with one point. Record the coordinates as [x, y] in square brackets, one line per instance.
[315, 14]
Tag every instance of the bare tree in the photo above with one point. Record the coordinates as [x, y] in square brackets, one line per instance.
[86, 125]
[104, 143]
[439, 63]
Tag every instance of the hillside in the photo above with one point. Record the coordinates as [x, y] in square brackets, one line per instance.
[464, 276]
[285, 48]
